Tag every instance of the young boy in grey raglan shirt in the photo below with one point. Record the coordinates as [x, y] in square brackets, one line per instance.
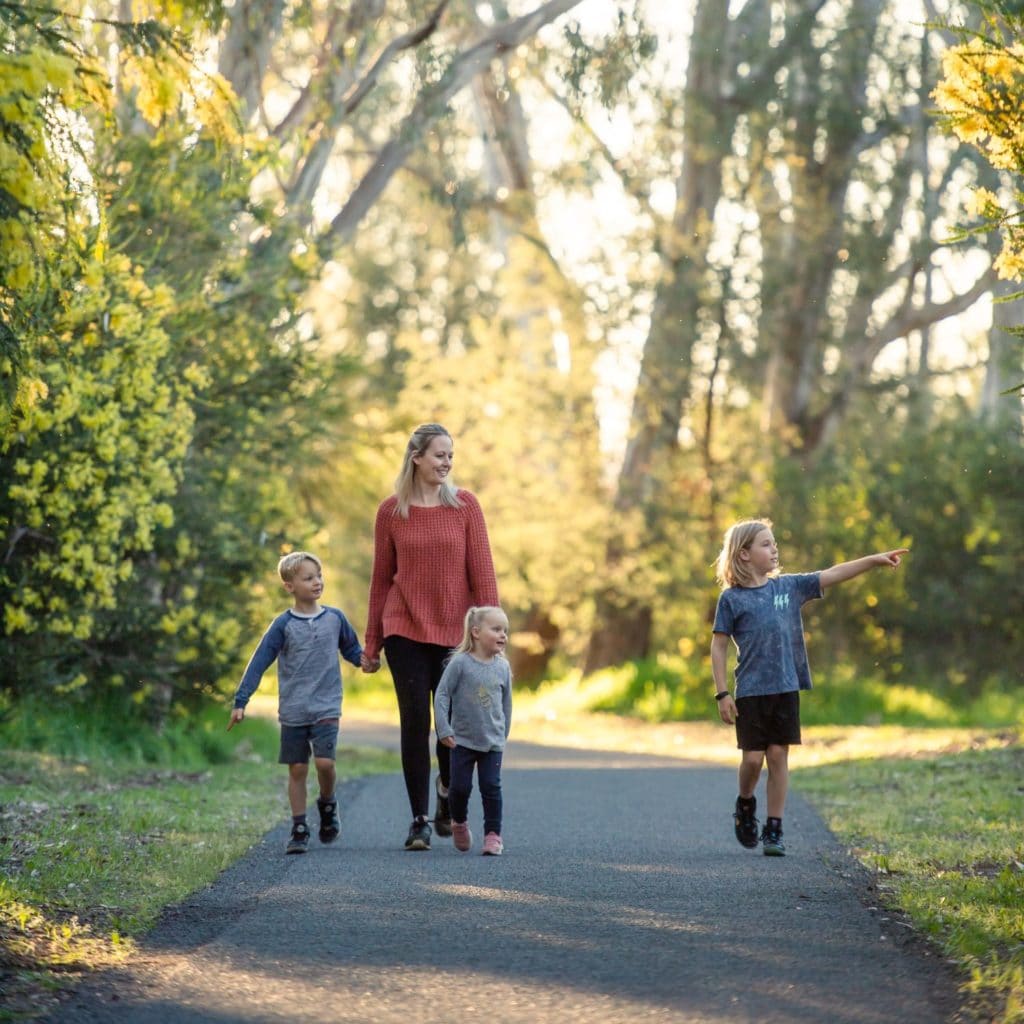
[305, 642]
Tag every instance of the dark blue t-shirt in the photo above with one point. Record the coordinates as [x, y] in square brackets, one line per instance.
[766, 626]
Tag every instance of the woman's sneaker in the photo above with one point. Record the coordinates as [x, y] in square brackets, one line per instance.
[330, 824]
[299, 841]
[419, 836]
[493, 846]
[443, 814]
[745, 824]
[462, 837]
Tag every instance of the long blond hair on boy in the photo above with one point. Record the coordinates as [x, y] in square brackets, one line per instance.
[730, 569]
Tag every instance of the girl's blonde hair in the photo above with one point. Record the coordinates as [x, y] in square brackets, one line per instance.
[475, 617]
[730, 569]
[420, 441]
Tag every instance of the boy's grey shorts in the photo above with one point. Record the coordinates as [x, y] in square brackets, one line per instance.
[297, 740]
[772, 719]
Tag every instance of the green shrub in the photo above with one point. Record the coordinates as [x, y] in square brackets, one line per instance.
[678, 689]
[99, 730]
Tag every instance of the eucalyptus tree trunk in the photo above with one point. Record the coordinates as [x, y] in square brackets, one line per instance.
[624, 605]
[804, 234]
[504, 128]
[819, 243]
[508, 163]
[787, 107]
[1000, 403]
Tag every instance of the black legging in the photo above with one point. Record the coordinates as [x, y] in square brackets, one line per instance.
[416, 669]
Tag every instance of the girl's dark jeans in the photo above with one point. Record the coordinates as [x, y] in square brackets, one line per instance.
[416, 669]
[488, 770]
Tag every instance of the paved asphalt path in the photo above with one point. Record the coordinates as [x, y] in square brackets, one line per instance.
[622, 897]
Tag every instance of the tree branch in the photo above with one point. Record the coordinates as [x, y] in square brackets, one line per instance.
[761, 79]
[359, 91]
[429, 108]
[245, 52]
[349, 96]
[640, 192]
[909, 320]
[306, 181]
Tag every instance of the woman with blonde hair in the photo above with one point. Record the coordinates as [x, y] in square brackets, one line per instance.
[431, 563]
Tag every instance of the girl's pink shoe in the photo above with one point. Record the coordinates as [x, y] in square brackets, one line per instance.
[462, 837]
[493, 845]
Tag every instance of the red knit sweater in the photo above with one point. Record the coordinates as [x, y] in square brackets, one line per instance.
[428, 570]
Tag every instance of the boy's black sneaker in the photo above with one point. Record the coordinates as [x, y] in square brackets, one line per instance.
[419, 836]
[443, 814]
[771, 842]
[746, 824]
[299, 841]
[330, 825]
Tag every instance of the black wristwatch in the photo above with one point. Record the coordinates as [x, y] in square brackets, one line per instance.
[721, 695]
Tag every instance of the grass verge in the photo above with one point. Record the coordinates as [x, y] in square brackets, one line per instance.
[943, 835]
[93, 848]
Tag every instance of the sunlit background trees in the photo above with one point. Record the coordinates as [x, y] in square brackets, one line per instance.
[655, 266]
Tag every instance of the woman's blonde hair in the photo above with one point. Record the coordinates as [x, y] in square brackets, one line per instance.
[475, 617]
[420, 441]
[730, 569]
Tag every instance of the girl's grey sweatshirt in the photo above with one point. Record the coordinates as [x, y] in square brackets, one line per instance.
[473, 702]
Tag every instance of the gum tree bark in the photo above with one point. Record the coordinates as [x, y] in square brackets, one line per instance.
[785, 107]
[623, 622]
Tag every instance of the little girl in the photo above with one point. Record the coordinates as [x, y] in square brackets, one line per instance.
[761, 611]
[472, 715]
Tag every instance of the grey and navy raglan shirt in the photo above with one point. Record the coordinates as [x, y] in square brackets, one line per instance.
[766, 625]
[305, 648]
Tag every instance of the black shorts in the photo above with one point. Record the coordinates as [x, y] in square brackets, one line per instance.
[296, 741]
[769, 720]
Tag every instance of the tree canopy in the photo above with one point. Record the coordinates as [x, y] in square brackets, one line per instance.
[654, 269]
